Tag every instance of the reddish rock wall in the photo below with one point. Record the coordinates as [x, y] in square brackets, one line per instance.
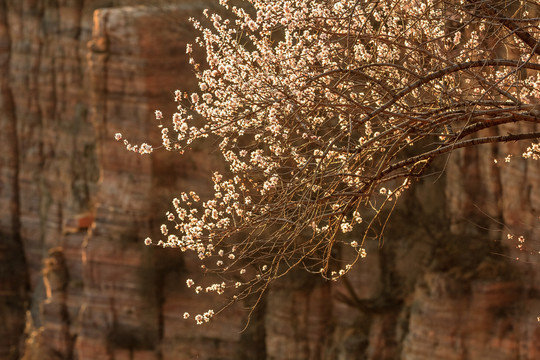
[13, 273]
[75, 206]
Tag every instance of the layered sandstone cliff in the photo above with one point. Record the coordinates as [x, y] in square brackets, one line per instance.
[76, 281]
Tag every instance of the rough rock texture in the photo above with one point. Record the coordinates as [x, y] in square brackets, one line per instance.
[76, 282]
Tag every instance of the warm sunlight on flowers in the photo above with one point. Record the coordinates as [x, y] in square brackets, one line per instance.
[325, 113]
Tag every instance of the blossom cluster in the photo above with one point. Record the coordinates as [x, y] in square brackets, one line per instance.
[532, 152]
[314, 104]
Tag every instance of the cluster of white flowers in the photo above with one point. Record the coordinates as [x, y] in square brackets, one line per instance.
[202, 318]
[533, 152]
[142, 149]
[314, 103]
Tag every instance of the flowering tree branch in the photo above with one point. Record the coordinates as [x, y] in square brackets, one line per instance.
[325, 111]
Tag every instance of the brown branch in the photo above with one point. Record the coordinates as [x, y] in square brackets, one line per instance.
[454, 146]
[446, 71]
[510, 24]
[508, 118]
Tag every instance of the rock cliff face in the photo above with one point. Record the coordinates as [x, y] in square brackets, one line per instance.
[76, 282]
